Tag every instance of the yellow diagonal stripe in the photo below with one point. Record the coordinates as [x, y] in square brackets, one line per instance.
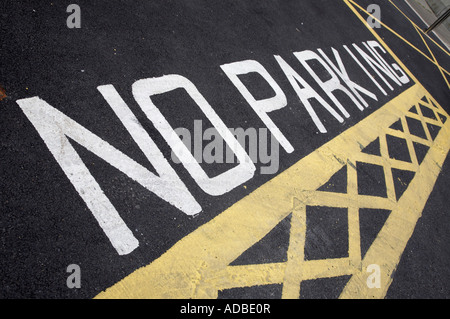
[198, 265]
[351, 2]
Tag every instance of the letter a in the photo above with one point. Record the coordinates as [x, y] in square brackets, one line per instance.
[74, 20]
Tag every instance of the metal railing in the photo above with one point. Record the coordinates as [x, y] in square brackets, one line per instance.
[441, 19]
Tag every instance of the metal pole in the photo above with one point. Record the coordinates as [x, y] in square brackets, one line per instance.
[438, 21]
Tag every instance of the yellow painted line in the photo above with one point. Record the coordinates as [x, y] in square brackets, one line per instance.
[434, 58]
[394, 32]
[391, 241]
[352, 4]
[418, 28]
[198, 266]
[249, 275]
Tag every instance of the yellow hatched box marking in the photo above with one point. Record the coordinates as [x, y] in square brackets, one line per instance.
[198, 266]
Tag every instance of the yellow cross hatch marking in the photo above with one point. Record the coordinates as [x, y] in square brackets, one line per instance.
[198, 266]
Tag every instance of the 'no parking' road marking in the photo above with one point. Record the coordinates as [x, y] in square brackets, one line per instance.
[198, 266]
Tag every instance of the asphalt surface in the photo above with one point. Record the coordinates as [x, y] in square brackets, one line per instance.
[46, 226]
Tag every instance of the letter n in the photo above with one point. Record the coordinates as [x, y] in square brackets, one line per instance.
[54, 128]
